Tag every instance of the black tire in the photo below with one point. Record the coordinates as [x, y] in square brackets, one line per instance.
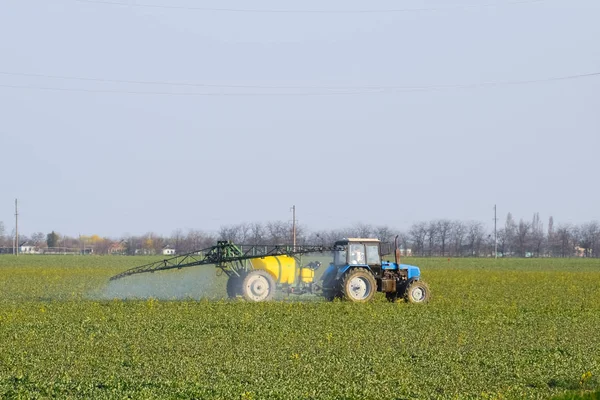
[359, 285]
[234, 286]
[258, 286]
[391, 296]
[417, 293]
[331, 294]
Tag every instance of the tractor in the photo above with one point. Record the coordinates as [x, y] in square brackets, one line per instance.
[358, 271]
[256, 272]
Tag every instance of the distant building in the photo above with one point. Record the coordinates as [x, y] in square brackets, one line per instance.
[144, 252]
[117, 248]
[406, 252]
[580, 252]
[168, 251]
[28, 248]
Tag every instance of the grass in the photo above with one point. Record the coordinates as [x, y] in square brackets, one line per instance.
[579, 396]
[494, 329]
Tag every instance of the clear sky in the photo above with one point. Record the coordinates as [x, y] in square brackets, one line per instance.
[305, 125]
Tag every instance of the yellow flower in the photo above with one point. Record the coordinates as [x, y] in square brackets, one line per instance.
[585, 378]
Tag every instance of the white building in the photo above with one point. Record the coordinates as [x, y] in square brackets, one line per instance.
[28, 248]
[168, 251]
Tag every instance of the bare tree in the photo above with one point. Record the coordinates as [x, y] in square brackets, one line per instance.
[502, 242]
[301, 234]
[595, 251]
[457, 237]
[38, 239]
[444, 228]
[245, 232]
[192, 241]
[257, 233]
[418, 232]
[232, 233]
[431, 236]
[319, 238]
[384, 233]
[436, 237]
[103, 246]
[510, 231]
[475, 235]
[488, 245]
[177, 240]
[551, 238]
[278, 232]
[537, 235]
[404, 243]
[522, 237]
[589, 237]
[361, 230]
[131, 244]
[23, 239]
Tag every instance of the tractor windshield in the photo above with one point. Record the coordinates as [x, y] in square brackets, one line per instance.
[339, 257]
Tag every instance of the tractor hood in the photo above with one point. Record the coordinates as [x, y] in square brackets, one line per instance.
[413, 271]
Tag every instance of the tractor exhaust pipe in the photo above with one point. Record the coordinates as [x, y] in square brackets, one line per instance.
[396, 250]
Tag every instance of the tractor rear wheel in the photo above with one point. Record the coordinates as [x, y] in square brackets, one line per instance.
[234, 286]
[417, 293]
[359, 285]
[258, 285]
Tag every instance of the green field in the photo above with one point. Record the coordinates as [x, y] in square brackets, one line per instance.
[494, 329]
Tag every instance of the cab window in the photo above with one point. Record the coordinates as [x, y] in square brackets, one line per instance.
[339, 257]
[373, 257]
[357, 254]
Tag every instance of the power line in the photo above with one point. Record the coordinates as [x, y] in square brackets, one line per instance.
[48, 88]
[283, 11]
[326, 90]
[192, 84]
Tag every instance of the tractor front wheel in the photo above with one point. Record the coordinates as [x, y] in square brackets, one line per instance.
[359, 285]
[417, 292]
[258, 285]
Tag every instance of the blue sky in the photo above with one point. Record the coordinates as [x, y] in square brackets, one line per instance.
[295, 120]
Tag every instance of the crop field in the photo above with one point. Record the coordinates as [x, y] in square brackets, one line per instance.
[505, 329]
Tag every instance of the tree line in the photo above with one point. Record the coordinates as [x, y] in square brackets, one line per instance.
[440, 237]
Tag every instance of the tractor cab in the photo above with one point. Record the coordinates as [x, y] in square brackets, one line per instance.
[357, 251]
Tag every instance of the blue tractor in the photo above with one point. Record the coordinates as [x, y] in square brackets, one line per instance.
[358, 271]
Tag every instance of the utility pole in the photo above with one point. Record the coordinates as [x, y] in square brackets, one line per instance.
[294, 227]
[495, 234]
[16, 252]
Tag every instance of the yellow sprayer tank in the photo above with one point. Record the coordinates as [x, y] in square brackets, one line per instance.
[307, 275]
[283, 268]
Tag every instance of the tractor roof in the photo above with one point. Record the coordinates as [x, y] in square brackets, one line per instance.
[360, 240]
